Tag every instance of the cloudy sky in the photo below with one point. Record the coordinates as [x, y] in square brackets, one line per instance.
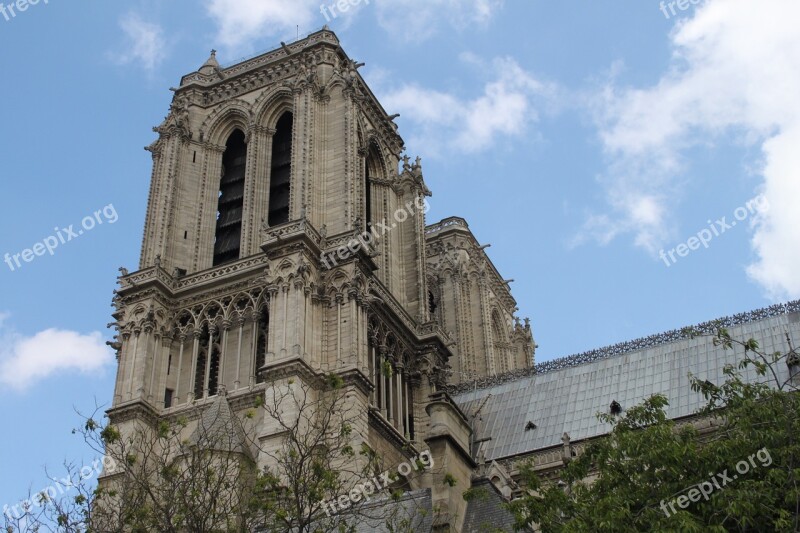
[633, 165]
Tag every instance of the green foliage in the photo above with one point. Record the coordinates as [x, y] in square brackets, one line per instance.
[110, 434]
[335, 381]
[626, 480]
[90, 425]
[477, 493]
[449, 480]
[163, 429]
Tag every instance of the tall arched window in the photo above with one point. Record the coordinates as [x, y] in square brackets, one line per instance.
[498, 339]
[213, 373]
[372, 171]
[280, 178]
[200, 366]
[231, 200]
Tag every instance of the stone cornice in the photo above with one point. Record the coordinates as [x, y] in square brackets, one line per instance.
[356, 378]
[389, 432]
[290, 367]
[160, 278]
[275, 57]
[284, 235]
[127, 411]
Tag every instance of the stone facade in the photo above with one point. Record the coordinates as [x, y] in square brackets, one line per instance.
[474, 304]
[330, 270]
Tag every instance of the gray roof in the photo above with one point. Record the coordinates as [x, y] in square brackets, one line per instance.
[567, 400]
[415, 506]
[485, 512]
[218, 429]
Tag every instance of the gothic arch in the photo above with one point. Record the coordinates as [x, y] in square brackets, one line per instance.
[262, 303]
[336, 81]
[374, 149]
[270, 106]
[226, 118]
[500, 341]
[185, 321]
[498, 324]
[213, 312]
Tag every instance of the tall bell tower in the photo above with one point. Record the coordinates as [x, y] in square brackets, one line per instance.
[284, 239]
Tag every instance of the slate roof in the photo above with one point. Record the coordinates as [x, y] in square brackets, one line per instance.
[220, 430]
[567, 400]
[415, 506]
[485, 512]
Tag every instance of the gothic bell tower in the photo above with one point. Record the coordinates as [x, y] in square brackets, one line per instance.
[284, 239]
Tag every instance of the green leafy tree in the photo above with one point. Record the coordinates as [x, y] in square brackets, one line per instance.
[197, 472]
[652, 474]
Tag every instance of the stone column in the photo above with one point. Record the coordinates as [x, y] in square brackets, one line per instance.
[122, 364]
[195, 354]
[132, 362]
[182, 338]
[399, 416]
[223, 354]
[237, 382]
[384, 380]
[212, 329]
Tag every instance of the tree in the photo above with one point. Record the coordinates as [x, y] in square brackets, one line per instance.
[198, 472]
[652, 474]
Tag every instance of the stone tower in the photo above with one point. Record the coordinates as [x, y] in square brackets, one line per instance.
[473, 302]
[285, 236]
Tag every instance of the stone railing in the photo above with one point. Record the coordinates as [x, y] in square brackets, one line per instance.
[446, 223]
[157, 273]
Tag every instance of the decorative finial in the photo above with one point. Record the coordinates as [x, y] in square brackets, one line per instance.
[211, 64]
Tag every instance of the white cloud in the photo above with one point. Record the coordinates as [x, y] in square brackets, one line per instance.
[241, 23]
[419, 20]
[25, 361]
[734, 71]
[445, 122]
[145, 44]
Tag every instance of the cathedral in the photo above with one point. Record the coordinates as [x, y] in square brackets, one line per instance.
[286, 239]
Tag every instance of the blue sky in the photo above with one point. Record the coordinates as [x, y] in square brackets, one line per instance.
[579, 138]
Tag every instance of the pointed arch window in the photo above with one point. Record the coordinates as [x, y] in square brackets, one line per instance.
[499, 342]
[213, 373]
[372, 171]
[280, 178]
[228, 236]
[200, 365]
